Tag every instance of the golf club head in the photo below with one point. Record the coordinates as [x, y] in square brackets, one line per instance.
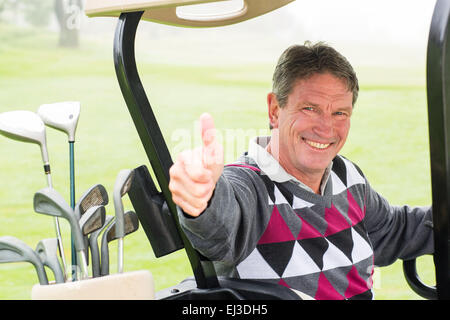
[15, 250]
[94, 196]
[48, 201]
[93, 245]
[25, 126]
[131, 224]
[62, 116]
[104, 249]
[47, 252]
[121, 187]
[92, 220]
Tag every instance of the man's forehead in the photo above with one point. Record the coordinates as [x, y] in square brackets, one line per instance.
[321, 87]
[326, 80]
[321, 96]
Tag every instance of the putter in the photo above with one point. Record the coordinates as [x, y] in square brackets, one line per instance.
[48, 201]
[15, 250]
[121, 187]
[93, 245]
[47, 252]
[131, 224]
[63, 116]
[27, 126]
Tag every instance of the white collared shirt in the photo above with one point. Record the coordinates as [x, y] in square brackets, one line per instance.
[257, 150]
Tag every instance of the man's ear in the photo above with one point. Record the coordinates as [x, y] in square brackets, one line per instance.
[274, 109]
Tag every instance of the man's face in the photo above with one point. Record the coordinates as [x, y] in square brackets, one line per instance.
[313, 125]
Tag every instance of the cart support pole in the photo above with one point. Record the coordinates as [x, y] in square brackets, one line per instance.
[150, 134]
[438, 93]
[438, 98]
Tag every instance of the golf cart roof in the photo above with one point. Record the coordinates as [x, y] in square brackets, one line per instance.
[164, 11]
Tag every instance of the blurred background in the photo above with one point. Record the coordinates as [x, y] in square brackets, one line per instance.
[50, 51]
[358, 26]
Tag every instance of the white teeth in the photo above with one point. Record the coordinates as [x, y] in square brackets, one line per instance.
[317, 145]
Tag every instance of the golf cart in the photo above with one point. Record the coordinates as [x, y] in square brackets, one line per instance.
[158, 214]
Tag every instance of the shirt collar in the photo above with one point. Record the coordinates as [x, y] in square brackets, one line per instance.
[257, 150]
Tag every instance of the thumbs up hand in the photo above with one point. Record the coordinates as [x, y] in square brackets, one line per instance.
[194, 174]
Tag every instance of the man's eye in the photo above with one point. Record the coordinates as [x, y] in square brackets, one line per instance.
[308, 108]
[341, 114]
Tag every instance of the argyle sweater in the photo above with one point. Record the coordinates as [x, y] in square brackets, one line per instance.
[323, 245]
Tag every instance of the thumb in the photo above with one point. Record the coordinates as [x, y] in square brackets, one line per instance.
[208, 130]
[212, 149]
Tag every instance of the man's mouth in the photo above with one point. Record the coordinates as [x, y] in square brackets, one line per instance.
[316, 144]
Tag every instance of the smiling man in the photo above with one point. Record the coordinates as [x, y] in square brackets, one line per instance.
[312, 127]
[292, 210]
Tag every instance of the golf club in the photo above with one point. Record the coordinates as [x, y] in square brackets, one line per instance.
[92, 220]
[95, 195]
[15, 250]
[63, 116]
[121, 187]
[27, 126]
[48, 201]
[47, 252]
[131, 224]
[93, 245]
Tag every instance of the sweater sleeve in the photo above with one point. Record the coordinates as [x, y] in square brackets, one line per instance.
[237, 214]
[397, 232]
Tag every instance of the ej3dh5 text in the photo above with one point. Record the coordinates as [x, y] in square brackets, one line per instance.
[229, 309]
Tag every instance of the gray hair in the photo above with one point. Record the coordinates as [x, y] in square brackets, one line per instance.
[302, 61]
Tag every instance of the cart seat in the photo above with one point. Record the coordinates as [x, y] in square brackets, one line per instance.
[164, 11]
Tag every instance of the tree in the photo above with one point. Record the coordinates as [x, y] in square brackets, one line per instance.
[68, 14]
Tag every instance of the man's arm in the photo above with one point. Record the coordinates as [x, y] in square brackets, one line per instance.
[194, 174]
[220, 206]
[397, 232]
[237, 214]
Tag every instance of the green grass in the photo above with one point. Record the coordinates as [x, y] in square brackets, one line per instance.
[389, 138]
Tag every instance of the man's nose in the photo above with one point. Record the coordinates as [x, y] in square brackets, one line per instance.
[324, 126]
